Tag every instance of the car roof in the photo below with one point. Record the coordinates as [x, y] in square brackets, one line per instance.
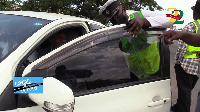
[44, 15]
[50, 16]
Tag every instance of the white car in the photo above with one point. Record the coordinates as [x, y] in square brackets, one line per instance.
[101, 81]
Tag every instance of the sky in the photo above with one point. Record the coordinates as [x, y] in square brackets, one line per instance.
[183, 5]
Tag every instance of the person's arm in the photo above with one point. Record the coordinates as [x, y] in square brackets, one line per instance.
[157, 19]
[151, 19]
[190, 38]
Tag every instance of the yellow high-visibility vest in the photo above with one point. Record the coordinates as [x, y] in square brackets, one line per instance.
[143, 59]
[190, 53]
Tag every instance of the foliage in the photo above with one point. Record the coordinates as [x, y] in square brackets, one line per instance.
[9, 5]
[82, 8]
[141, 4]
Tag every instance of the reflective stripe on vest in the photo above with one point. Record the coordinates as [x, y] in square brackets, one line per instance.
[191, 49]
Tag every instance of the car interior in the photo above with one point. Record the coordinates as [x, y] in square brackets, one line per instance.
[71, 33]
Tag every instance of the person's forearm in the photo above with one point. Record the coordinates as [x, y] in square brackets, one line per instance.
[159, 22]
[191, 39]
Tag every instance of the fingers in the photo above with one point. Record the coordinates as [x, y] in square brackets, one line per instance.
[132, 26]
[166, 37]
[175, 37]
[136, 31]
[159, 37]
[169, 39]
[162, 35]
[166, 40]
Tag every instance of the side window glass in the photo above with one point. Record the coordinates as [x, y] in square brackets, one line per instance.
[100, 66]
[103, 65]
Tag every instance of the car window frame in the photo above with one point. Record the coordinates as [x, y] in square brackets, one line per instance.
[44, 38]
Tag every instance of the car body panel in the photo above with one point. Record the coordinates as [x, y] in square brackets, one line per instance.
[127, 99]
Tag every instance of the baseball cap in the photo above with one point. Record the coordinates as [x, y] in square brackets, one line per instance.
[109, 9]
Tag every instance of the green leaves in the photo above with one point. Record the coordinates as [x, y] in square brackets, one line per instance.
[8, 5]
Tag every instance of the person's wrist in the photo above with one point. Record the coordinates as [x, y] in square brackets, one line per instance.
[146, 23]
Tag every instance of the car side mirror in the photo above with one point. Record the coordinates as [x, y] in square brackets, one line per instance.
[56, 96]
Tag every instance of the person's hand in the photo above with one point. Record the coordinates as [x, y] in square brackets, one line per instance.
[171, 35]
[136, 24]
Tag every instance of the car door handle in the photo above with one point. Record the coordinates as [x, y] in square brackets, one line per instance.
[159, 102]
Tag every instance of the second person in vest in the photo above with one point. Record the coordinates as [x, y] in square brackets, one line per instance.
[187, 65]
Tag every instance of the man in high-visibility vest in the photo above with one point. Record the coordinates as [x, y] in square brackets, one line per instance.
[194, 39]
[186, 62]
[142, 57]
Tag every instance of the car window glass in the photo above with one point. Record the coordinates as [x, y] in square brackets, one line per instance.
[109, 63]
[58, 39]
[14, 30]
[100, 66]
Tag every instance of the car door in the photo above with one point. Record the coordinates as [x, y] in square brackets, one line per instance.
[100, 77]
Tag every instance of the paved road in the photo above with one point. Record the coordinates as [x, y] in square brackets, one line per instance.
[173, 49]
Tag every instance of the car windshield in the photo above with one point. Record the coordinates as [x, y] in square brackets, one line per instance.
[14, 30]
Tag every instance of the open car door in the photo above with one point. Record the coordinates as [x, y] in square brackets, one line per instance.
[103, 75]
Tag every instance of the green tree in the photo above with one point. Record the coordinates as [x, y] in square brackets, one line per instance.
[10, 5]
[141, 4]
[84, 8]
[5, 5]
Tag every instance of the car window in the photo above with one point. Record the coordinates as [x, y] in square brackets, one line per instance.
[50, 43]
[14, 30]
[100, 66]
[103, 62]
[69, 33]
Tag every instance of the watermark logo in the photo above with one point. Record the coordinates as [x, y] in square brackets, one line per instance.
[26, 85]
[175, 16]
